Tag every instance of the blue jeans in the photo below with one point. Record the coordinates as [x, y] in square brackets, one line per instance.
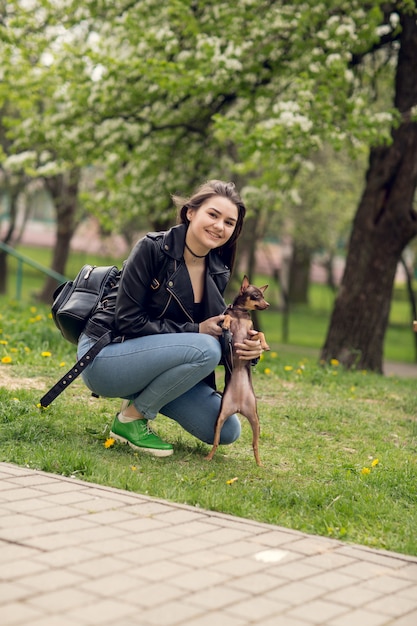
[163, 374]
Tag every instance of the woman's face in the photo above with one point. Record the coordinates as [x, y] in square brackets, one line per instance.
[211, 225]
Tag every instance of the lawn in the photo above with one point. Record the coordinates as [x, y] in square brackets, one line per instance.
[338, 448]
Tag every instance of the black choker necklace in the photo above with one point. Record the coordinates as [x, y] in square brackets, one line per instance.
[197, 256]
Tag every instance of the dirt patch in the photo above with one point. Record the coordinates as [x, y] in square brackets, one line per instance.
[9, 381]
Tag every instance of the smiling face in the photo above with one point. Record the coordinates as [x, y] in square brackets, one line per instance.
[211, 225]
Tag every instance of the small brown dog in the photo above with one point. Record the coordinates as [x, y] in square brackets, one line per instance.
[238, 395]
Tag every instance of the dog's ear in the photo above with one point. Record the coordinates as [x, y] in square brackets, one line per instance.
[245, 284]
[264, 288]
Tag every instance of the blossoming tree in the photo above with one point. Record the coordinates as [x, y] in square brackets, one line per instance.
[157, 96]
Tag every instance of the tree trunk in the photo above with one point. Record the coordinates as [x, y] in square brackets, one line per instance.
[64, 191]
[412, 301]
[384, 224]
[13, 192]
[299, 274]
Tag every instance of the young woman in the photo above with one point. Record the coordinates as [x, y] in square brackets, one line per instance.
[165, 314]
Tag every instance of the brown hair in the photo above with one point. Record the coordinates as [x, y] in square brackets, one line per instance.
[204, 192]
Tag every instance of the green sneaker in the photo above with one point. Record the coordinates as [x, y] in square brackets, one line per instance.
[139, 435]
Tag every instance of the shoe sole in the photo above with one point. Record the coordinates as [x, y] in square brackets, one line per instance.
[153, 451]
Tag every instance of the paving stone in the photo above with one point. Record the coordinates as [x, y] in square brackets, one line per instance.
[331, 580]
[51, 580]
[239, 567]
[13, 591]
[361, 617]
[393, 605]
[170, 614]
[295, 570]
[65, 557]
[319, 611]
[52, 620]
[201, 558]
[13, 570]
[295, 593]
[102, 612]
[163, 570]
[217, 617]
[15, 613]
[98, 567]
[258, 583]
[354, 596]
[216, 597]
[285, 620]
[407, 620]
[151, 595]
[60, 601]
[21, 493]
[257, 609]
[386, 584]
[56, 512]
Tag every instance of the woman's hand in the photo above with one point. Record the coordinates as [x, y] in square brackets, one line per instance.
[250, 349]
[211, 326]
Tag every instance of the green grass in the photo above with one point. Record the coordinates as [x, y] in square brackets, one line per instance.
[338, 448]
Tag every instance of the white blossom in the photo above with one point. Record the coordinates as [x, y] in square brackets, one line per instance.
[17, 162]
[333, 58]
[385, 29]
[295, 197]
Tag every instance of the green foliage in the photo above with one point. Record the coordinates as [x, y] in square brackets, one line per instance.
[338, 448]
[157, 97]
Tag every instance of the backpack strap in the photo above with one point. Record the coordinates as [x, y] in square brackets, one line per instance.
[76, 370]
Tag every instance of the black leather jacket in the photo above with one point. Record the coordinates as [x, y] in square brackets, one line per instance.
[154, 294]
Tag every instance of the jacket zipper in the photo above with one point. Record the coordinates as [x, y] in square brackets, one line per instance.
[180, 305]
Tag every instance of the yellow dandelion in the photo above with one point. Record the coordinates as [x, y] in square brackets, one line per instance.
[62, 364]
[109, 442]
[267, 371]
[46, 353]
[33, 309]
[299, 371]
[274, 355]
[3, 342]
[334, 362]
[232, 480]
[14, 350]
[375, 462]
[27, 350]
[288, 368]
[365, 470]
[133, 468]
[6, 359]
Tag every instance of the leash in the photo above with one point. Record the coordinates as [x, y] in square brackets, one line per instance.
[75, 371]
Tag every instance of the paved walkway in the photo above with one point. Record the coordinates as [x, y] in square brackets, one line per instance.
[75, 554]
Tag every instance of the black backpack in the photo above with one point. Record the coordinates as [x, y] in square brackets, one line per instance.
[74, 303]
[76, 300]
